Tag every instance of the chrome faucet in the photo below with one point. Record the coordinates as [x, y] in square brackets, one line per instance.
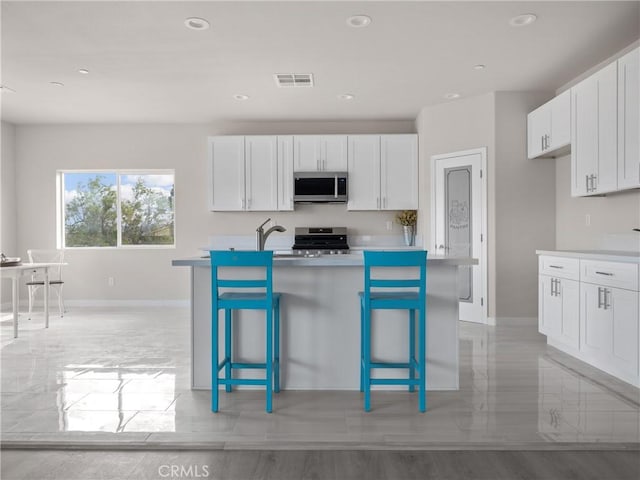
[261, 235]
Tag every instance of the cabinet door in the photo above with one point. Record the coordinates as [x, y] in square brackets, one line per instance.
[307, 156]
[624, 304]
[549, 307]
[285, 173]
[607, 174]
[596, 322]
[560, 119]
[538, 125]
[629, 120]
[334, 153]
[584, 136]
[399, 172]
[569, 327]
[364, 172]
[226, 179]
[261, 173]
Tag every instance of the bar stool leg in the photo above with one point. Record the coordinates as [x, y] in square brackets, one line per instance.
[214, 360]
[423, 361]
[412, 347]
[276, 334]
[269, 359]
[361, 346]
[367, 360]
[227, 347]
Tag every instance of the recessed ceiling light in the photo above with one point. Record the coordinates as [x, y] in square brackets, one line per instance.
[523, 20]
[241, 97]
[479, 67]
[83, 71]
[451, 96]
[359, 21]
[196, 23]
[346, 96]
[57, 84]
[5, 89]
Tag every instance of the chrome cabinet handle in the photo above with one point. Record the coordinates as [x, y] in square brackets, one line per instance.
[605, 273]
[542, 144]
[242, 203]
[586, 178]
[607, 298]
[556, 266]
[599, 297]
[378, 202]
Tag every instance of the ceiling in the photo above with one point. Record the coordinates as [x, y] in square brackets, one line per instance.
[146, 66]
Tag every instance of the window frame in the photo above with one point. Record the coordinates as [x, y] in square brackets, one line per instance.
[61, 207]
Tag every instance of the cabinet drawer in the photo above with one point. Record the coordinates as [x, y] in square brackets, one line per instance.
[561, 267]
[611, 274]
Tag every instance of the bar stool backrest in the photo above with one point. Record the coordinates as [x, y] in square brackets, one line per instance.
[241, 259]
[412, 258]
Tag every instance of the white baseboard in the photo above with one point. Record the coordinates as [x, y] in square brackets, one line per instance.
[126, 303]
[514, 320]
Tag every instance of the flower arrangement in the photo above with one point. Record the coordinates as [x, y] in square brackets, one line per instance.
[407, 217]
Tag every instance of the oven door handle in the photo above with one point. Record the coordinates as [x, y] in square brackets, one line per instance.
[335, 186]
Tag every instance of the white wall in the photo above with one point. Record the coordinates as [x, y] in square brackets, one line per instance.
[520, 193]
[147, 274]
[8, 239]
[524, 207]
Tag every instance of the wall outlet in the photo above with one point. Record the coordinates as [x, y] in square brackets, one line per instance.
[111, 281]
[587, 220]
[389, 225]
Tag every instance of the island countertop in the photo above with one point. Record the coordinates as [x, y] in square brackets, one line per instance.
[353, 259]
[606, 255]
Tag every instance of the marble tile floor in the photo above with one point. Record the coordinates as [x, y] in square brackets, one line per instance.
[120, 377]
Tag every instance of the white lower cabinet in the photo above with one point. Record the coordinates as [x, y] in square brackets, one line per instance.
[593, 319]
[610, 328]
[560, 310]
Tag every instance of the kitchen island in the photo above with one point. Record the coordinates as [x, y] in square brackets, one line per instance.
[320, 329]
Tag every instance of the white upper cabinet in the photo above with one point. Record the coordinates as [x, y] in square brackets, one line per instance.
[226, 173]
[629, 120]
[364, 172]
[383, 172]
[243, 173]
[594, 134]
[317, 153]
[549, 127]
[261, 173]
[399, 172]
[285, 173]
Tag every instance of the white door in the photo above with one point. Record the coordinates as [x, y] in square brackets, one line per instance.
[226, 173]
[629, 120]
[285, 173]
[459, 215]
[399, 172]
[261, 173]
[607, 180]
[306, 153]
[364, 172]
[334, 153]
[596, 319]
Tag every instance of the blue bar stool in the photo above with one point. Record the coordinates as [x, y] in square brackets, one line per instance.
[230, 300]
[393, 298]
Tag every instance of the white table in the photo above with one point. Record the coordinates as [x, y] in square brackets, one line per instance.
[15, 273]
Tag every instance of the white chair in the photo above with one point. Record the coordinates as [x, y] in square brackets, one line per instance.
[55, 275]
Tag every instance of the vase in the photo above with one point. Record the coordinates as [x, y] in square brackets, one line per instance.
[409, 235]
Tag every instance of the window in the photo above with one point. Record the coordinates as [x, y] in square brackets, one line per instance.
[117, 208]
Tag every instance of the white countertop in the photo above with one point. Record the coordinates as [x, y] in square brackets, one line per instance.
[353, 259]
[607, 255]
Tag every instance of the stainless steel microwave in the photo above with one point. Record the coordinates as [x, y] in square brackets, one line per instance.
[320, 187]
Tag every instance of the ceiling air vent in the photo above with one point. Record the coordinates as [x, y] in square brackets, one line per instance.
[294, 79]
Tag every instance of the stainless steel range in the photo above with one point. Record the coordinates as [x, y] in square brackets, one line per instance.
[323, 240]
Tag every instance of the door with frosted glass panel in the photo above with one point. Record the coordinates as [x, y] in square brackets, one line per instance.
[458, 229]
